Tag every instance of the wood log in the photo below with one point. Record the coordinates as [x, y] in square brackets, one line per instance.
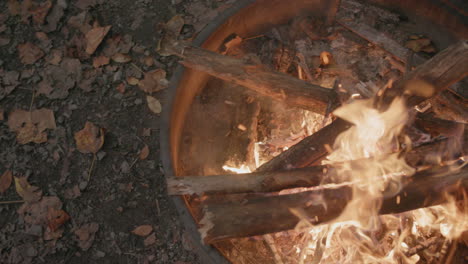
[247, 182]
[445, 68]
[267, 82]
[272, 181]
[380, 40]
[263, 215]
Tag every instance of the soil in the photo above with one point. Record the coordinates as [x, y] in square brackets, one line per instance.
[122, 189]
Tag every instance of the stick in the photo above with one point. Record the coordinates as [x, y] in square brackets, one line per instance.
[275, 85]
[263, 215]
[272, 181]
[248, 182]
[445, 68]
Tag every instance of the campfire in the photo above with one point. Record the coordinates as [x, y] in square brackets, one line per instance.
[324, 166]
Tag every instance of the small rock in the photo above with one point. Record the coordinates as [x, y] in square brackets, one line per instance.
[101, 154]
[138, 101]
[83, 185]
[125, 167]
[99, 254]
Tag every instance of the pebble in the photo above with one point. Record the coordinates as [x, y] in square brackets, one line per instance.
[125, 167]
[83, 185]
[138, 101]
[101, 154]
[99, 254]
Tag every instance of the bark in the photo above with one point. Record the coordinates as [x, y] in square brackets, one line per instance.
[276, 85]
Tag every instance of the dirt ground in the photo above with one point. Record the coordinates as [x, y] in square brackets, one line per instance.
[97, 196]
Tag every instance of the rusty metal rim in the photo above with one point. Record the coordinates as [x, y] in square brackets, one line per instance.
[206, 253]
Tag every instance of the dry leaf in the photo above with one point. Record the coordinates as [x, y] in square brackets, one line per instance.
[5, 181]
[143, 230]
[150, 240]
[418, 44]
[29, 53]
[90, 139]
[144, 152]
[100, 61]
[94, 37]
[54, 57]
[121, 88]
[28, 192]
[132, 80]
[35, 213]
[40, 12]
[121, 58]
[14, 7]
[148, 61]
[154, 104]
[175, 24]
[56, 218]
[232, 43]
[154, 81]
[86, 235]
[31, 126]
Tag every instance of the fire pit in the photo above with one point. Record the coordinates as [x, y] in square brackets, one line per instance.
[213, 127]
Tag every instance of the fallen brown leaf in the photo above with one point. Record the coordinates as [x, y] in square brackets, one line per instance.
[35, 213]
[153, 81]
[132, 80]
[153, 104]
[56, 218]
[142, 230]
[94, 37]
[40, 12]
[54, 57]
[417, 45]
[144, 152]
[28, 192]
[100, 61]
[58, 80]
[72, 193]
[31, 126]
[150, 240]
[121, 58]
[29, 53]
[121, 88]
[175, 24]
[14, 7]
[90, 139]
[5, 181]
[86, 235]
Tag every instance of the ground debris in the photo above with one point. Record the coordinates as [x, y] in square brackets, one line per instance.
[31, 126]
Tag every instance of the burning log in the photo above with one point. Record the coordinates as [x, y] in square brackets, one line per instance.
[444, 69]
[272, 181]
[278, 86]
[263, 215]
[247, 182]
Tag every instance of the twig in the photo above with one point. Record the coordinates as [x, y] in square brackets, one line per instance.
[426, 244]
[136, 67]
[451, 252]
[32, 99]
[11, 202]
[157, 207]
[92, 166]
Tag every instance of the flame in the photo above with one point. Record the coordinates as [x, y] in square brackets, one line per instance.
[360, 234]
